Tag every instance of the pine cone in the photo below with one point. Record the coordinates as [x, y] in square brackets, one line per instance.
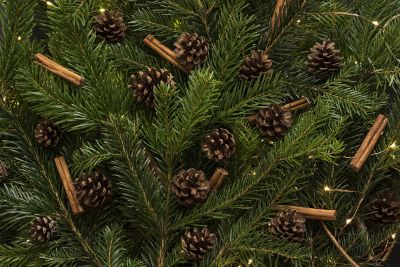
[324, 59]
[191, 186]
[191, 50]
[47, 133]
[219, 144]
[196, 243]
[4, 173]
[144, 84]
[110, 26]
[385, 207]
[42, 229]
[255, 64]
[93, 190]
[274, 122]
[289, 224]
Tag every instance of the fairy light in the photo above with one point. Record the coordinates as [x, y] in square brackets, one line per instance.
[310, 157]
[348, 221]
[375, 23]
[102, 10]
[394, 236]
[393, 145]
[298, 21]
[254, 173]
[326, 188]
[49, 3]
[250, 262]
[19, 38]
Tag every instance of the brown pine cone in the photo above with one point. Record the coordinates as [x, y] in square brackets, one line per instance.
[324, 59]
[93, 190]
[42, 229]
[145, 82]
[290, 224]
[47, 133]
[274, 122]
[196, 243]
[191, 50]
[384, 207]
[255, 64]
[219, 144]
[110, 26]
[4, 173]
[191, 186]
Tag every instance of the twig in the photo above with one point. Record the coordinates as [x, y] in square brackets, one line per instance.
[338, 246]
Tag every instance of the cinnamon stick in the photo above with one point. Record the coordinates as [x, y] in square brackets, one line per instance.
[276, 17]
[369, 143]
[68, 185]
[298, 104]
[311, 213]
[217, 178]
[295, 105]
[163, 51]
[59, 70]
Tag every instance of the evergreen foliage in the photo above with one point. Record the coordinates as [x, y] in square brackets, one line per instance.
[141, 149]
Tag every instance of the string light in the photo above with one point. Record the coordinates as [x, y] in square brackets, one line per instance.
[298, 21]
[19, 38]
[394, 236]
[250, 261]
[375, 23]
[310, 157]
[102, 10]
[49, 3]
[393, 145]
[326, 188]
[348, 221]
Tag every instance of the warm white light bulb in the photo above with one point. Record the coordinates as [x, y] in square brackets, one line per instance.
[49, 3]
[375, 23]
[102, 10]
[298, 21]
[394, 236]
[254, 173]
[19, 38]
[393, 146]
[250, 261]
[348, 221]
[326, 188]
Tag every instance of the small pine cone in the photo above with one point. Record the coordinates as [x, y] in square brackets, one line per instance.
[255, 64]
[290, 224]
[93, 190]
[191, 186]
[274, 122]
[144, 83]
[219, 144]
[196, 243]
[47, 133]
[324, 59]
[4, 173]
[42, 229]
[384, 207]
[191, 50]
[110, 26]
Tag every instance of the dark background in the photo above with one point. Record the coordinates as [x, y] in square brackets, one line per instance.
[395, 258]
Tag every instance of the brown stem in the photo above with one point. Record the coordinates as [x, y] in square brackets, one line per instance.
[338, 246]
